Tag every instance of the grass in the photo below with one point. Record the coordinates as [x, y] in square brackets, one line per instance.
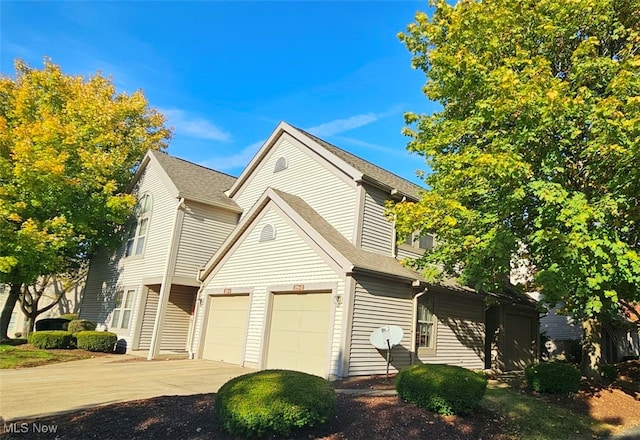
[533, 418]
[23, 356]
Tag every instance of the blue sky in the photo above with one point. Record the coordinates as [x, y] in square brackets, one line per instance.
[225, 73]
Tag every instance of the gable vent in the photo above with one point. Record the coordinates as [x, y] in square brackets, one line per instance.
[268, 233]
[281, 164]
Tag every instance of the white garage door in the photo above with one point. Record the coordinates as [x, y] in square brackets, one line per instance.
[298, 339]
[226, 328]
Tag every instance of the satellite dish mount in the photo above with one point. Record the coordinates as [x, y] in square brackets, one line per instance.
[385, 338]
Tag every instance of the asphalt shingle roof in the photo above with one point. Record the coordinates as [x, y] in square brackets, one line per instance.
[361, 259]
[374, 172]
[195, 182]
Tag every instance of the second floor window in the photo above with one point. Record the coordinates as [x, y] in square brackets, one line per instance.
[420, 242]
[139, 227]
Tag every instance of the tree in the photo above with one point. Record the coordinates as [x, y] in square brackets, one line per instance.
[51, 289]
[68, 148]
[535, 152]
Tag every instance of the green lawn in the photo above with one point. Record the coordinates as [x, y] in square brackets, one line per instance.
[532, 418]
[21, 356]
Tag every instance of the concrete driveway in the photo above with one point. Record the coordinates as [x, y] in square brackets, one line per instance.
[67, 386]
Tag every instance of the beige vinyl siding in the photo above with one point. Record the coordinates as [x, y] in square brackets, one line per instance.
[379, 303]
[460, 332]
[148, 318]
[204, 229]
[177, 318]
[100, 289]
[377, 231]
[287, 260]
[118, 273]
[331, 196]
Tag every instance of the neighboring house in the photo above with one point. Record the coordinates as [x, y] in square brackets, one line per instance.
[146, 291]
[313, 268]
[69, 303]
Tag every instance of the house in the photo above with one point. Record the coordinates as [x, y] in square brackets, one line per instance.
[298, 265]
[67, 304]
[313, 268]
[145, 292]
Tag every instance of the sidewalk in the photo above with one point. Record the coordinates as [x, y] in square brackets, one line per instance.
[62, 387]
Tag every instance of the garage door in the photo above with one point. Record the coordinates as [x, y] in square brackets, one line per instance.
[226, 328]
[298, 338]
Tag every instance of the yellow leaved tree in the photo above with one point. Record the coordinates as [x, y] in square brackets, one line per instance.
[69, 145]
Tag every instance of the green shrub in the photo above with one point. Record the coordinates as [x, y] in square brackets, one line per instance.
[444, 389]
[51, 339]
[70, 316]
[80, 325]
[552, 377]
[274, 402]
[96, 341]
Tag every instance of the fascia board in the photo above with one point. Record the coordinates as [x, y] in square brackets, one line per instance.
[257, 158]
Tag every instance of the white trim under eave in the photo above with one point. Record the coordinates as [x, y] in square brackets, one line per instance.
[297, 135]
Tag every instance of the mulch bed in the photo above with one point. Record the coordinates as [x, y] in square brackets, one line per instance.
[357, 418]
[191, 417]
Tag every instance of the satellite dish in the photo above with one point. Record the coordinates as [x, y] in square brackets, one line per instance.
[383, 338]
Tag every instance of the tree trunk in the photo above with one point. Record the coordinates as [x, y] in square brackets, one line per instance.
[5, 316]
[592, 350]
[28, 326]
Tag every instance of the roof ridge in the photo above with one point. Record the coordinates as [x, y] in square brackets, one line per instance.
[194, 164]
[357, 157]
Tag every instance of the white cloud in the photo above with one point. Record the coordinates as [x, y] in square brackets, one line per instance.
[341, 125]
[235, 161]
[193, 126]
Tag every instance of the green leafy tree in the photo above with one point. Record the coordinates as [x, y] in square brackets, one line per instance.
[68, 148]
[535, 152]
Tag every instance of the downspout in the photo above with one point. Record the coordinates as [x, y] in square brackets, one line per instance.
[167, 280]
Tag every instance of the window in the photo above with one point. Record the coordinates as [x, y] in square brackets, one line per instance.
[268, 233]
[419, 242]
[425, 329]
[138, 228]
[281, 164]
[122, 312]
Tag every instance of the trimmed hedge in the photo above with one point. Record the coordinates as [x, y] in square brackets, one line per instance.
[444, 389]
[274, 402]
[70, 316]
[50, 324]
[80, 325]
[51, 339]
[553, 377]
[96, 341]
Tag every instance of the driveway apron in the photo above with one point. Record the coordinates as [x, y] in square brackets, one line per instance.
[62, 387]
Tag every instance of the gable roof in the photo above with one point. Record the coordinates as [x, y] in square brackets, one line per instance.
[353, 166]
[195, 182]
[370, 171]
[349, 257]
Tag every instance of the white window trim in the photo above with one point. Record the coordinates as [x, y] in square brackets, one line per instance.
[128, 295]
[425, 351]
[133, 242]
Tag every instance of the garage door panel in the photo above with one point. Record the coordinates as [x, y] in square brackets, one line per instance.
[298, 338]
[226, 328]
